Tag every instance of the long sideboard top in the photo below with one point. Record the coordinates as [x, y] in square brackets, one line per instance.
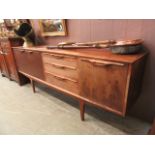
[102, 54]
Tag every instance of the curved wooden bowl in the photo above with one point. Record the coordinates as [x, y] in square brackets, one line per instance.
[128, 42]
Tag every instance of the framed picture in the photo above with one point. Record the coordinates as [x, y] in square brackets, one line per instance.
[11, 23]
[52, 27]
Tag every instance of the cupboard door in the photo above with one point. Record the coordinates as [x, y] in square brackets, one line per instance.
[34, 64]
[29, 62]
[104, 83]
[21, 60]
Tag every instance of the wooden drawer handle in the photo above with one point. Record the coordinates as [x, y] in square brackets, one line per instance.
[63, 67]
[20, 51]
[59, 66]
[61, 56]
[103, 63]
[57, 56]
[62, 78]
[107, 64]
[29, 51]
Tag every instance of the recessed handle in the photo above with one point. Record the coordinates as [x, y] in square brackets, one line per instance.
[18, 50]
[59, 66]
[107, 64]
[102, 63]
[65, 79]
[58, 56]
[29, 51]
[22, 51]
[62, 78]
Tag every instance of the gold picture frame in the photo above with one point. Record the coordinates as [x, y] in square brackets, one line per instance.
[53, 27]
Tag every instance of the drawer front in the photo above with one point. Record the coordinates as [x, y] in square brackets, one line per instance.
[60, 59]
[66, 71]
[62, 82]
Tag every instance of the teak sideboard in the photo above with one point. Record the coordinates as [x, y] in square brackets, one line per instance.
[95, 76]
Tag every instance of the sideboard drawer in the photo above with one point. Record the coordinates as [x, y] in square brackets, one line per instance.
[62, 82]
[60, 59]
[66, 71]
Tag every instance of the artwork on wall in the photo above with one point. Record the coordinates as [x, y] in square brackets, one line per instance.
[11, 23]
[52, 27]
[8, 25]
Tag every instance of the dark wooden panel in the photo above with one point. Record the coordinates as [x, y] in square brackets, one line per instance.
[136, 80]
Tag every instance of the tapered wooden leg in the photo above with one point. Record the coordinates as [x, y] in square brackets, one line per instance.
[82, 109]
[33, 85]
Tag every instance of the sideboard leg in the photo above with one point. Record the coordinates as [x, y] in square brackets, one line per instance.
[33, 85]
[82, 109]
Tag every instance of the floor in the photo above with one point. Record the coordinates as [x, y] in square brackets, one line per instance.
[49, 112]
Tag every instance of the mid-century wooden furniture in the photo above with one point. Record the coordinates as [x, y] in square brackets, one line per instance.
[7, 61]
[94, 76]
